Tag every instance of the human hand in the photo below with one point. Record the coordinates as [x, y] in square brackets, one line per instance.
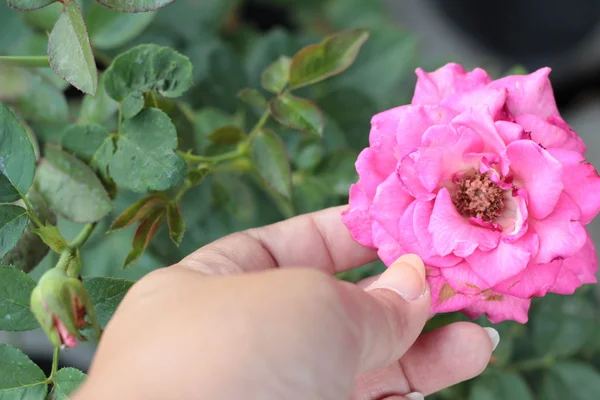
[257, 315]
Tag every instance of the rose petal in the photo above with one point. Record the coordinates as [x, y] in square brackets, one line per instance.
[420, 223]
[529, 94]
[65, 336]
[408, 174]
[534, 281]
[451, 233]
[356, 217]
[549, 135]
[581, 182]
[575, 142]
[463, 279]
[539, 173]
[388, 248]
[433, 87]
[493, 99]
[389, 204]
[509, 131]
[444, 298]
[498, 308]
[514, 216]
[561, 234]
[412, 121]
[480, 120]
[577, 270]
[505, 261]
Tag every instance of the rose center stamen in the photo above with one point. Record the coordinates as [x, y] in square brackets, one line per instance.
[477, 196]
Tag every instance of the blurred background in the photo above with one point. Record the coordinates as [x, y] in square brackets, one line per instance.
[231, 41]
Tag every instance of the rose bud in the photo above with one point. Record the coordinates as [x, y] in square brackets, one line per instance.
[60, 304]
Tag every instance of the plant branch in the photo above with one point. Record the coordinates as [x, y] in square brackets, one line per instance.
[31, 212]
[55, 356]
[192, 158]
[261, 122]
[83, 236]
[26, 61]
[533, 364]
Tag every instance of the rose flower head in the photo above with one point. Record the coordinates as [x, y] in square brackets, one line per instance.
[60, 304]
[487, 183]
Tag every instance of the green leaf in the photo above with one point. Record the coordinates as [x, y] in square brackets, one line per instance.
[66, 381]
[31, 249]
[297, 113]
[71, 188]
[110, 28]
[29, 4]
[90, 143]
[562, 325]
[15, 290]
[309, 155]
[384, 69]
[227, 135]
[134, 6]
[45, 104]
[52, 237]
[330, 57]
[175, 222]
[269, 154]
[276, 76]
[20, 378]
[13, 221]
[132, 105]
[69, 50]
[98, 108]
[17, 159]
[143, 235]
[106, 294]
[145, 68]
[571, 380]
[209, 120]
[145, 159]
[254, 99]
[141, 209]
[500, 386]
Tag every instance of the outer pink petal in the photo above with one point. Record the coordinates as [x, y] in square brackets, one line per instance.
[444, 299]
[480, 120]
[388, 248]
[356, 217]
[529, 94]
[549, 135]
[577, 270]
[409, 175]
[494, 99]
[534, 281]
[373, 169]
[539, 173]
[498, 308]
[505, 261]
[451, 233]
[581, 182]
[390, 202]
[575, 143]
[464, 280]
[433, 87]
[561, 234]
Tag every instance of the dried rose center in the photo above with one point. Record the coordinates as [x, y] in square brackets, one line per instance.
[478, 196]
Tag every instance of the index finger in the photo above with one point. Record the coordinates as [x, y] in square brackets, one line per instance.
[318, 240]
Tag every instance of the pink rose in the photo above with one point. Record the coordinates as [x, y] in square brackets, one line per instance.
[488, 184]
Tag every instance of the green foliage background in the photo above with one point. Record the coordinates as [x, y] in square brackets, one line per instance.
[555, 356]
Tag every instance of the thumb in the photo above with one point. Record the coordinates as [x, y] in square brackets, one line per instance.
[389, 315]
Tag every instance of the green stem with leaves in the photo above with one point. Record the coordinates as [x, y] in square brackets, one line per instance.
[55, 357]
[70, 251]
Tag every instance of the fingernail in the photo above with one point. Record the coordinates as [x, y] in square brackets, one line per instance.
[415, 396]
[494, 337]
[406, 277]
